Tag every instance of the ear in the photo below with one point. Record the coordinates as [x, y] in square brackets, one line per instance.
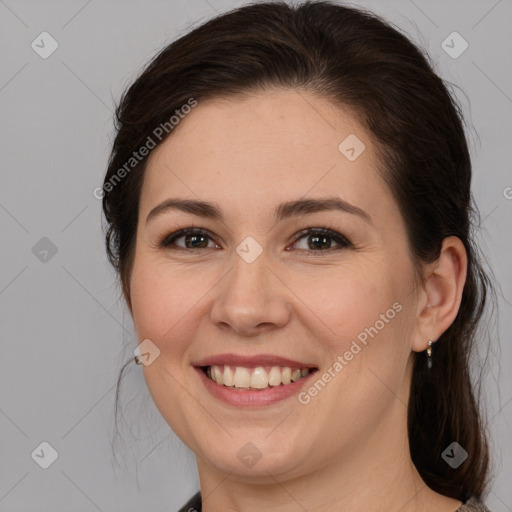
[441, 293]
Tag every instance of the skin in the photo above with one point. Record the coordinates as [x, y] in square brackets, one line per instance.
[347, 449]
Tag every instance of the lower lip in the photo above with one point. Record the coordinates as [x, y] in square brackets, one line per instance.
[248, 398]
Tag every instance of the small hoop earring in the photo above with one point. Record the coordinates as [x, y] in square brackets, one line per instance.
[429, 355]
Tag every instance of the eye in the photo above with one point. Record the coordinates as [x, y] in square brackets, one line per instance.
[319, 240]
[194, 238]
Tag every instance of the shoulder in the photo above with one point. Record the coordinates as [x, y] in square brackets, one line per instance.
[473, 504]
[193, 504]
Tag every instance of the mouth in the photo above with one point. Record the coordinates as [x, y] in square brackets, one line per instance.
[256, 378]
[253, 381]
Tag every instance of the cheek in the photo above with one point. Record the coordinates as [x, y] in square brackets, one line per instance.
[164, 303]
[349, 299]
[368, 320]
[163, 299]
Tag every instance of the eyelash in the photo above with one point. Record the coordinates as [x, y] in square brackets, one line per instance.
[167, 241]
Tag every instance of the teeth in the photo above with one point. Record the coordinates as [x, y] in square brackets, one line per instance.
[218, 375]
[286, 375]
[242, 377]
[259, 378]
[274, 376]
[296, 375]
[255, 378]
[227, 376]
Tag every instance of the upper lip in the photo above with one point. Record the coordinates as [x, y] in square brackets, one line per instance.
[251, 361]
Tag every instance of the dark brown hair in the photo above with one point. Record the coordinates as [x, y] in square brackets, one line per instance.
[358, 61]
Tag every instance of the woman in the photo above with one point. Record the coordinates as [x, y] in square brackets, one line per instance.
[289, 212]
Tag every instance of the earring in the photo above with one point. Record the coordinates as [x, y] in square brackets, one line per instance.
[429, 355]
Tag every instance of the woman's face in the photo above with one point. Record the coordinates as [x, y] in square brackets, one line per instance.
[252, 285]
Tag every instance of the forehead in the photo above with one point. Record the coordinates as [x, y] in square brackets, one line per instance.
[263, 149]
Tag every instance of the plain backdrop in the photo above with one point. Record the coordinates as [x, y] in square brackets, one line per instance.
[64, 329]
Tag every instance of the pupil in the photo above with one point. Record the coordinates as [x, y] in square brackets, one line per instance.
[317, 238]
[194, 238]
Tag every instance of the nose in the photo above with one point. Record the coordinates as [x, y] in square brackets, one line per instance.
[251, 299]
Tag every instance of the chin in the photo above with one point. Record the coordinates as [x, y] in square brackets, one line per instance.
[259, 459]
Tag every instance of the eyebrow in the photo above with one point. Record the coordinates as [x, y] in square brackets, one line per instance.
[284, 211]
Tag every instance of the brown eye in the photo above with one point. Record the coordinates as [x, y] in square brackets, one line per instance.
[319, 240]
[194, 238]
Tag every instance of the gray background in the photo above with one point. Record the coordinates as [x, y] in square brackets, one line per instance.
[63, 327]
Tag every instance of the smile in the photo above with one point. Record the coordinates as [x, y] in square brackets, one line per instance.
[258, 378]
